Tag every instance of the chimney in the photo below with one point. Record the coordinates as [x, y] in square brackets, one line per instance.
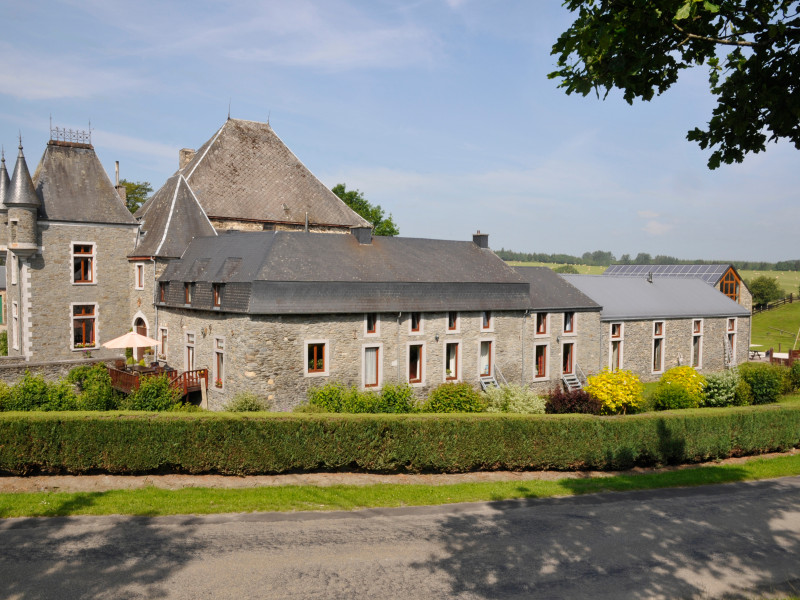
[363, 234]
[481, 240]
[185, 156]
[122, 191]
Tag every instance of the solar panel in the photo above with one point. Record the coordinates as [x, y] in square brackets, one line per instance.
[708, 273]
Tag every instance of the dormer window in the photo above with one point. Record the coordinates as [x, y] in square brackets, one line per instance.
[216, 289]
[188, 292]
[452, 321]
[139, 276]
[83, 254]
[162, 291]
[371, 323]
[486, 320]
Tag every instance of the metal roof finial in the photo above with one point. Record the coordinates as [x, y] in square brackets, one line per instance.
[229, 108]
[20, 143]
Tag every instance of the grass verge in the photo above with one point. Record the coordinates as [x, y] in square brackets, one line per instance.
[156, 502]
[776, 326]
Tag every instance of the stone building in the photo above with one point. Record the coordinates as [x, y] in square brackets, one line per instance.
[66, 234]
[651, 325]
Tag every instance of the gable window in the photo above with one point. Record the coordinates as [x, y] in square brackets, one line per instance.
[216, 289]
[485, 365]
[372, 366]
[371, 323]
[697, 343]
[486, 320]
[568, 358]
[415, 325]
[452, 321]
[569, 322]
[83, 325]
[615, 352]
[219, 362]
[540, 361]
[730, 285]
[189, 355]
[541, 323]
[451, 361]
[162, 291]
[83, 255]
[316, 357]
[658, 346]
[139, 276]
[415, 361]
[164, 338]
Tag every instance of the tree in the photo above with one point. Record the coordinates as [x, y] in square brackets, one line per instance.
[566, 269]
[374, 214]
[765, 290]
[641, 46]
[136, 193]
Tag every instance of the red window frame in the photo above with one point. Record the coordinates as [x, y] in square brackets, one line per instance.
[216, 288]
[616, 330]
[486, 320]
[541, 323]
[568, 362]
[452, 320]
[187, 293]
[541, 361]
[83, 326]
[454, 371]
[416, 319]
[162, 291]
[569, 322]
[316, 357]
[377, 366]
[415, 366]
[489, 365]
[372, 322]
[83, 263]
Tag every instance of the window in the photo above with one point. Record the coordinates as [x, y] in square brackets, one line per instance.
[415, 362]
[188, 292]
[371, 323]
[730, 350]
[216, 289]
[219, 362]
[485, 364]
[162, 291]
[732, 324]
[316, 358]
[139, 276]
[569, 322]
[452, 321]
[372, 366]
[730, 284]
[14, 268]
[615, 350]
[164, 338]
[189, 357]
[697, 343]
[415, 324]
[568, 358]
[83, 263]
[541, 323]
[451, 361]
[540, 364]
[83, 326]
[486, 320]
[15, 325]
[658, 346]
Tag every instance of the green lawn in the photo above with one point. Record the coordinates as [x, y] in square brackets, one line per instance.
[582, 269]
[787, 280]
[766, 326]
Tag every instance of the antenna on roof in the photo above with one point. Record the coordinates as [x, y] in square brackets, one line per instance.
[268, 114]
[229, 109]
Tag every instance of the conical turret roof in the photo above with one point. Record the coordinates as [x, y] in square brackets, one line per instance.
[5, 183]
[22, 191]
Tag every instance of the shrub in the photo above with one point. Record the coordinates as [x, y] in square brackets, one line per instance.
[247, 402]
[95, 389]
[61, 396]
[327, 397]
[765, 381]
[334, 397]
[794, 375]
[576, 401]
[5, 395]
[512, 398]
[397, 399]
[744, 395]
[687, 378]
[455, 398]
[619, 392]
[29, 393]
[3, 343]
[672, 397]
[154, 393]
[721, 388]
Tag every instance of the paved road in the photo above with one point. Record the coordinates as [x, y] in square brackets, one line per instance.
[703, 542]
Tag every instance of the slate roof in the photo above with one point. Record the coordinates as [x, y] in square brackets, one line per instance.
[551, 293]
[288, 272]
[711, 274]
[245, 171]
[21, 192]
[173, 219]
[5, 183]
[73, 186]
[631, 299]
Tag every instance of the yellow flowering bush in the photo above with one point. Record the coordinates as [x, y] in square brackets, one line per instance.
[687, 378]
[619, 392]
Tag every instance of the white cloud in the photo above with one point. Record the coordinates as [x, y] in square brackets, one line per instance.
[124, 143]
[656, 228]
[647, 214]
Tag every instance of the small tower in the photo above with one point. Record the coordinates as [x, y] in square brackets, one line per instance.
[23, 207]
[5, 190]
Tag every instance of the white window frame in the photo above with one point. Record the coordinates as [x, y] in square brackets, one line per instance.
[138, 268]
[15, 325]
[422, 368]
[163, 333]
[611, 340]
[326, 358]
[377, 331]
[364, 348]
[72, 318]
[699, 334]
[72, 262]
[491, 356]
[546, 375]
[661, 337]
[14, 268]
[186, 345]
[490, 328]
[459, 360]
[421, 323]
[457, 328]
[219, 349]
[546, 325]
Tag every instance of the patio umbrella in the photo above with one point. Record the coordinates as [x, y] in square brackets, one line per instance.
[131, 340]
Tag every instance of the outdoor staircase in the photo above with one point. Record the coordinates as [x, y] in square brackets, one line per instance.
[571, 382]
[730, 359]
[488, 381]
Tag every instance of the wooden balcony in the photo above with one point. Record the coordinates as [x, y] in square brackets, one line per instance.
[128, 380]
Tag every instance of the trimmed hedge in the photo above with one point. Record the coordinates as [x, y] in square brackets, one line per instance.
[241, 444]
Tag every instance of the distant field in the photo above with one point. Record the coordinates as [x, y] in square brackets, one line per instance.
[766, 327]
[788, 280]
[582, 269]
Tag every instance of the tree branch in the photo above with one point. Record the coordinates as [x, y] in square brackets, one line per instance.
[721, 41]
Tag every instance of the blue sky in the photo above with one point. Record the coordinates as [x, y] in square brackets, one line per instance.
[438, 110]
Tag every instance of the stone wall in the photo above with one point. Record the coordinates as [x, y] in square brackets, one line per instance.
[239, 225]
[13, 369]
[141, 300]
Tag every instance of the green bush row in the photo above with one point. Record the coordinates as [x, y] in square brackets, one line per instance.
[243, 444]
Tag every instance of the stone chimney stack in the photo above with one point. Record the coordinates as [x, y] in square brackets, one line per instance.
[121, 189]
[185, 156]
[362, 234]
[481, 240]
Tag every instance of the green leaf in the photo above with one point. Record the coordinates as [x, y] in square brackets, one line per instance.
[711, 7]
[683, 11]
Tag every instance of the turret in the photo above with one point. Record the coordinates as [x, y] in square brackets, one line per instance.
[5, 189]
[23, 207]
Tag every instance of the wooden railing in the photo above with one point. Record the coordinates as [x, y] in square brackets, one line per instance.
[787, 362]
[188, 381]
[764, 307]
[124, 381]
